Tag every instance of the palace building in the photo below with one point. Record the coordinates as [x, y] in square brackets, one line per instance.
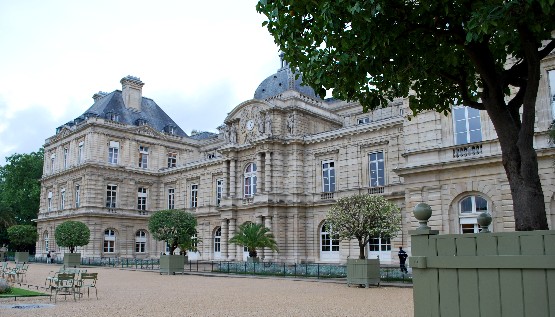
[280, 159]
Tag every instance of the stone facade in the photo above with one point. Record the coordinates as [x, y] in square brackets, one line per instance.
[302, 153]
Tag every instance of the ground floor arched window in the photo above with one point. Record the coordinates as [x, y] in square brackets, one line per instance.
[140, 241]
[109, 241]
[470, 207]
[329, 244]
[218, 243]
[379, 247]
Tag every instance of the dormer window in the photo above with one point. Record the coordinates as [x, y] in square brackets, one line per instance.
[112, 116]
[141, 122]
[363, 120]
[170, 129]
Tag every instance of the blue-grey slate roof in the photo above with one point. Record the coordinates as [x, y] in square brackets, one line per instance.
[280, 82]
[154, 116]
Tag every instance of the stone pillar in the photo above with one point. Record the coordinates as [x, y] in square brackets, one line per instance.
[232, 175]
[225, 172]
[268, 224]
[260, 221]
[268, 172]
[259, 172]
[232, 248]
[224, 238]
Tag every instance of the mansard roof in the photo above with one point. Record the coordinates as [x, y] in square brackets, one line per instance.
[150, 113]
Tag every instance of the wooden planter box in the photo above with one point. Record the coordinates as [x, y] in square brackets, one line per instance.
[22, 257]
[72, 259]
[170, 264]
[363, 272]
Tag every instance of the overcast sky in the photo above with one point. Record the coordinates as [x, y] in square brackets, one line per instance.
[198, 60]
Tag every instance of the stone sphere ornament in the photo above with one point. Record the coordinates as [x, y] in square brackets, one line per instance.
[484, 220]
[422, 212]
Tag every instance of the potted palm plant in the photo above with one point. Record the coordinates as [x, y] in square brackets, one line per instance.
[176, 227]
[22, 238]
[72, 234]
[254, 236]
[362, 217]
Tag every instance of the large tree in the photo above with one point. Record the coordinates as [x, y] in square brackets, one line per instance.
[483, 54]
[363, 217]
[176, 227]
[20, 187]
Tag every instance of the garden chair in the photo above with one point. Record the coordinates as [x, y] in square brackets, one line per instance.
[52, 276]
[21, 272]
[88, 281]
[64, 285]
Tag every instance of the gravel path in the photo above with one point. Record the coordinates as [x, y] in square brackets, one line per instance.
[136, 293]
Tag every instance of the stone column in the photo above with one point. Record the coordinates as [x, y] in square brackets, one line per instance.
[232, 248]
[268, 172]
[232, 178]
[224, 238]
[260, 221]
[268, 252]
[225, 172]
[259, 172]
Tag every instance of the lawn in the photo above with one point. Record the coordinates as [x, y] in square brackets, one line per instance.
[20, 292]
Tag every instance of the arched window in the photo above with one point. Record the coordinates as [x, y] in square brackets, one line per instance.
[109, 240]
[329, 244]
[46, 242]
[140, 241]
[469, 209]
[250, 180]
[217, 243]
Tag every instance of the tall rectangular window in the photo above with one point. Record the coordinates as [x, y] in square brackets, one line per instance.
[172, 159]
[113, 152]
[467, 125]
[80, 152]
[376, 169]
[551, 77]
[194, 195]
[219, 191]
[66, 151]
[77, 196]
[49, 202]
[52, 163]
[171, 198]
[328, 176]
[62, 198]
[143, 156]
[141, 198]
[111, 191]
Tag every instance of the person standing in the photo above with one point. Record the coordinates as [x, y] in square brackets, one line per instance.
[402, 260]
[48, 258]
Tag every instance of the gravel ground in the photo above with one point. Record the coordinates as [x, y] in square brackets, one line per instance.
[137, 293]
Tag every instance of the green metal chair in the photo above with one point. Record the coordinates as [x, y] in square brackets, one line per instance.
[88, 281]
[63, 285]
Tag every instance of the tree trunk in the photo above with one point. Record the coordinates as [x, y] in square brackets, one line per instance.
[361, 248]
[515, 131]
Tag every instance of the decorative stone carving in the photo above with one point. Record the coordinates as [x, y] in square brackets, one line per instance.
[268, 124]
[290, 123]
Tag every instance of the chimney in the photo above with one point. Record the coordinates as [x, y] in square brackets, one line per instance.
[132, 92]
[99, 95]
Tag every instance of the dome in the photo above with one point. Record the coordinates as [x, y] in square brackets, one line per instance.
[282, 81]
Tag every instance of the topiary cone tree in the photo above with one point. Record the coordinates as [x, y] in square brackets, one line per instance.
[363, 217]
[174, 226]
[72, 234]
[254, 236]
[22, 237]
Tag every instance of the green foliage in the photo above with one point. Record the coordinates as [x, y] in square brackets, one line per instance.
[20, 188]
[72, 234]
[173, 226]
[362, 217]
[189, 243]
[254, 236]
[22, 237]
[4, 286]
